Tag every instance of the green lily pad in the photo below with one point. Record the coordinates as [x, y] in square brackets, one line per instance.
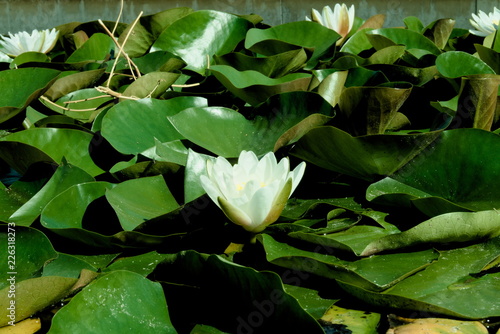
[138, 40]
[158, 22]
[309, 299]
[365, 157]
[200, 35]
[450, 286]
[454, 64]
[97, 48]
[21, 86]
[68, 208]
[443, 229]
[64, 177]
[143, 264]
[231, 295]
[381, 38]
[357, 43]
[82, 105]
[354, 239]
[132, 126]
[254, 87]
[73, 82]
[452, 174]
[477, 102]
[118, 301]
[28, 58]
[73, 145]
[489, 56]
[138, 200]
[370, 110]
[14, 196]
[151, 85]
[440, 31]
[33, 295]
[27, 251]
[289, 36]
[273, 66]
[66, 265]
[374, 273]
[236, 133]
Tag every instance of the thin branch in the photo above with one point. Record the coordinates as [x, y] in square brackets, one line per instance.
[46, 99]
[121, 51]
[119, 17]
[110, 92]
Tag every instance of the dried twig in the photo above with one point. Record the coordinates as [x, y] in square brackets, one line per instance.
[119, 17]
[46, 99]
[121, 51]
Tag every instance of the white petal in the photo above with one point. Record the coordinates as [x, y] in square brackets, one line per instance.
[297, 175]
[351, 17]
[316, 16]
[211, 189]
[235, 214]
[330, 17]
[260, 205]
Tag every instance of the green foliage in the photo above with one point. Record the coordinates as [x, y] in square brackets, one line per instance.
[108, 228]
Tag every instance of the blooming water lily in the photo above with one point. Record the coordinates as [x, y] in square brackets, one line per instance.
[340, 19]
[38, 41]
[253, 192]
[485, 24]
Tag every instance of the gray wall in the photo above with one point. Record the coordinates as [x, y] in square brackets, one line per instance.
[19, 15]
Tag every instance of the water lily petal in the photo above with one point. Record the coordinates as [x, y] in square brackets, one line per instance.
[297, 175]
[278, 204]
[211, 189]
[38, 41]
[234, 214]
[253, 192]
[261, 205]
[316, 17]
[485, 24]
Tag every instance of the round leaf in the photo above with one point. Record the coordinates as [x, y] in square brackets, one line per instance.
[120, 301]
[200, 35]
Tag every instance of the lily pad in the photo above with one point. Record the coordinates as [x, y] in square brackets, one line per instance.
[136, 201]
[454, 64]
[27, 250]
[20, 87]
[121, 300]
[254, 87]
[452, 174]
[64, 177]
[289, 36]
[445, 287]
[381, 38]
[59, 143]
[132, 126]
[236, 133]
[451, 227]
[365, 157]
[375, 273]
[33, 295]
[200, 35]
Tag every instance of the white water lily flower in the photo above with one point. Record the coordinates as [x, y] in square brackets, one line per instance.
[253, 192]
[38, 41]
[485, 24]
[340, 19]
